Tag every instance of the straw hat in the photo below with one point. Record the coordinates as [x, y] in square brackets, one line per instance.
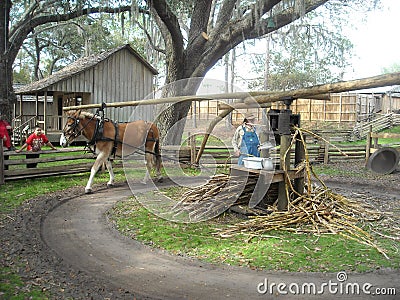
[249, 116]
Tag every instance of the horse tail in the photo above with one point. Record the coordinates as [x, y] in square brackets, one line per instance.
[157, 153]
[156, 150]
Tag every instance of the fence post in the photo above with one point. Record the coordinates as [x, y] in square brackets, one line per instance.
[2, 181]
[326, 152]
[192, 144]
[368, 146]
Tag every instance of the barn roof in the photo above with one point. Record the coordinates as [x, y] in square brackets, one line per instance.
[77, 67]
[394, 91]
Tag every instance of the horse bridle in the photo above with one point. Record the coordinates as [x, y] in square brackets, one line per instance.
[74, 127]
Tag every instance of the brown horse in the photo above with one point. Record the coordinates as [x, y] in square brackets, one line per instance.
[110, 138]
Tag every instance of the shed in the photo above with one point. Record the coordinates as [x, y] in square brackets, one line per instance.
[120, 74]
[391, 100]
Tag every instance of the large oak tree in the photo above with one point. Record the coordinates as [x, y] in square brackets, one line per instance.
[215, 27]
[192, 47]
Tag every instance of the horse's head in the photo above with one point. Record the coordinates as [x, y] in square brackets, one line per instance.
[71, 129]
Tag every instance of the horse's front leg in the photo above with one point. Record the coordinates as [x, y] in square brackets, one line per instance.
[97, 164]
[110, 183]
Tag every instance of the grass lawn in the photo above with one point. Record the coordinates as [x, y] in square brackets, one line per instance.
[277, 251]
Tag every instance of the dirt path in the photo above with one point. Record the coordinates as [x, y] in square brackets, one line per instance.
[78, 232]
[63, 243]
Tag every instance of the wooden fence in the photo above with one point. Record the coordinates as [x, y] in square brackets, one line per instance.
[46, 163]
[76, 160]
[373, 144]
[361, 130]
[318, 153]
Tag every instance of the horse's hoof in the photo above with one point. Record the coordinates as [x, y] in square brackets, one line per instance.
[110, 185]
[88, 191]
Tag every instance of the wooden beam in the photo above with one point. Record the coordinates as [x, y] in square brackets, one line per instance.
[142, 102]
[2, 181]
[266, 96]
[210, 128]
[240, 105]
[338, 87]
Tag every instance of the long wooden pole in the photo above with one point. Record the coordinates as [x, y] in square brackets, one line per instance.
[266, 96]
[338, 87]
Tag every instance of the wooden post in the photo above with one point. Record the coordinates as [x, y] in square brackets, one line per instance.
[2, 181]
[263, 138]
[376, 144]
[37, 107]
[284, 165]
[210, 128]
[326, 152]
[192, 144]
[299, 156]
[340, 108]
[45, 113]
[368, 146]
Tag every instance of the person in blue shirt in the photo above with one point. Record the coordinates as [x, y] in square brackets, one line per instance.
[245, 141]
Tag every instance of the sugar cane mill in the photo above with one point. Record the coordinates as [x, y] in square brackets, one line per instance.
[288, 195]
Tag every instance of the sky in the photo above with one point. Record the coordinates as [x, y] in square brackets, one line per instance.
[376, 42]
[375, 39]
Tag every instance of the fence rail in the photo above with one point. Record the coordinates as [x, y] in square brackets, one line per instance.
[361, 130]
[317, 153]
[43, 163]
[14, 165]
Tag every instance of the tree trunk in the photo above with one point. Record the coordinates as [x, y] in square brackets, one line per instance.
[7, 96]
[172, 118]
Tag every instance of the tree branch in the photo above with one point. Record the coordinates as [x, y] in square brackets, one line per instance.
[237, 31]
[199, 19]
[198, 31]
[224, 16]
[171, 22]
[35, 17]
[154, 46]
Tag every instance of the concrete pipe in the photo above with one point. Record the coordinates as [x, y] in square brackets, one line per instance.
[384, 161]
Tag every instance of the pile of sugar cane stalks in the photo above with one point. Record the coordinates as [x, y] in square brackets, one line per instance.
[319, 210]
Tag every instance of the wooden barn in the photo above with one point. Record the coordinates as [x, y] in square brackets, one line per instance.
[117, 75]
[391, 100]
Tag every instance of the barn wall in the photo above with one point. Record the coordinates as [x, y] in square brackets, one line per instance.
[122, 77]
[390, 103]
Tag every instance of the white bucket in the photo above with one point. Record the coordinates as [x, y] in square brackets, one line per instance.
[258, 163]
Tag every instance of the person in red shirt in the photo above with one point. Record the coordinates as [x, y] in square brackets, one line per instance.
[34, 143]
[4, 135]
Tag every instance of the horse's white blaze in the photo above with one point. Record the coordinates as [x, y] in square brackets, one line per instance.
[63, 141]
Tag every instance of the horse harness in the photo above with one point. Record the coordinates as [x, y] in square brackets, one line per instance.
[98, 134]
